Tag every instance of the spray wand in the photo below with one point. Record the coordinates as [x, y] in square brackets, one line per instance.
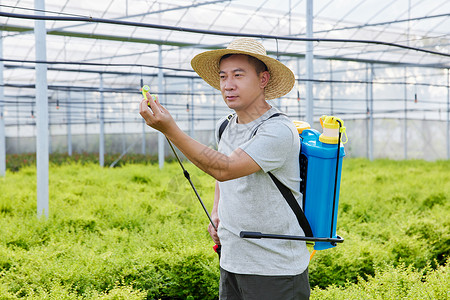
[145, 89]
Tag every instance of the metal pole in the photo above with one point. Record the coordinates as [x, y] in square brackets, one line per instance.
[17, 126]
[2, 115]
[143, 137]
[371, 112]
[124, 136]
[50, 148]
[331, 87]
[101, 153]
[405, 121]
[69, 125]
[143, 127]
[290, 11]
[448, 113]
[298, 89]
[191, 110]
[367, 110]
[85, 123]
[42, 132]
[309, 64]
[161, 137]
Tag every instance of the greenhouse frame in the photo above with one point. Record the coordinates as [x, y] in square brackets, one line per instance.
[71, 71]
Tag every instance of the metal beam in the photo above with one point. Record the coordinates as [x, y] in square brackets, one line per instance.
[100, 36]
[216, 32]
[309, 64]
[380, 23]
[213, 47]
[151, 12]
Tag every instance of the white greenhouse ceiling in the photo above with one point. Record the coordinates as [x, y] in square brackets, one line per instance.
[373, 59]
[416, 24]
[122, 39]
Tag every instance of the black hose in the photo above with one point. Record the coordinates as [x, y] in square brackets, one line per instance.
[188, 177]
[336, 178]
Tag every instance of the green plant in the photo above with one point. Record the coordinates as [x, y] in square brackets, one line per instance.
[138, 232]
[390, 282]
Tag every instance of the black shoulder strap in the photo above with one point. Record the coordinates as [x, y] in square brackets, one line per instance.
[290, 199]
[227, 121]
[224, 125]
[257, 127]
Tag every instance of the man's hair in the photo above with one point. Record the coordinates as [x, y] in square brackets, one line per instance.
[256, 63]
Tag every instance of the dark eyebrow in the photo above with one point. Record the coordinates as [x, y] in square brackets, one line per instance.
[234, 71]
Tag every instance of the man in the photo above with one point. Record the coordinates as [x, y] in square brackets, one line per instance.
[252, 144]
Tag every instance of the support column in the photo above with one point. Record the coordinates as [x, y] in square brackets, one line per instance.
[405, 121]
[69, 124]
[331, 87]
[161, 137]
[367, 110]
[124, 134]
[2, 114]
[448, 113]
[309, 64]
[143, 150]
[42, 131]
[86, 138]
[101, 150]
[371, 74]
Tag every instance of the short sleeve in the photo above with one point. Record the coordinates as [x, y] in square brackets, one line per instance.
[271, 145]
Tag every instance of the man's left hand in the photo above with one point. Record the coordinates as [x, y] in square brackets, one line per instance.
[156, 115]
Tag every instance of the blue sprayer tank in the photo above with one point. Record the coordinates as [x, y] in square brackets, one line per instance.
[318, 173]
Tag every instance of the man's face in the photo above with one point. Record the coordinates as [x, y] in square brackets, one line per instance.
[240, 85]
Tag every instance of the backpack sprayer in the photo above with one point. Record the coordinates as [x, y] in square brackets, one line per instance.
[320, 170]
[319, 187]
[144, 90]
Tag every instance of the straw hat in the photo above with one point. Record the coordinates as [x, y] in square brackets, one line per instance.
[281, 80]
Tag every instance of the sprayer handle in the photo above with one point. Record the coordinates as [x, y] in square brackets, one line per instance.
[250, 235]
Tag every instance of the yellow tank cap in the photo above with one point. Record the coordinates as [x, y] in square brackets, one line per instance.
[330, 122]
[301, 125]
[332, 126]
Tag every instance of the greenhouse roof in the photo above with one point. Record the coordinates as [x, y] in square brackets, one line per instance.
[348, 30]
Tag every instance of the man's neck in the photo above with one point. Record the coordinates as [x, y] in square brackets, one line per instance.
[247, 116]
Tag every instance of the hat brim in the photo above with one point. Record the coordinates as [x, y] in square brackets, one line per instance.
[281, 80]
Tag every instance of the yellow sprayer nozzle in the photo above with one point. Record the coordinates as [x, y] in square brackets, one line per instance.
[145, 89]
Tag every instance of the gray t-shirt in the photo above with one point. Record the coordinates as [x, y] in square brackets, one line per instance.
[254, 203]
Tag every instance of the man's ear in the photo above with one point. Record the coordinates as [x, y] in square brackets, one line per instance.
[264, 78]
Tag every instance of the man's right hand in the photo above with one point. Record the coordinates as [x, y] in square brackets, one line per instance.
[212, 231]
